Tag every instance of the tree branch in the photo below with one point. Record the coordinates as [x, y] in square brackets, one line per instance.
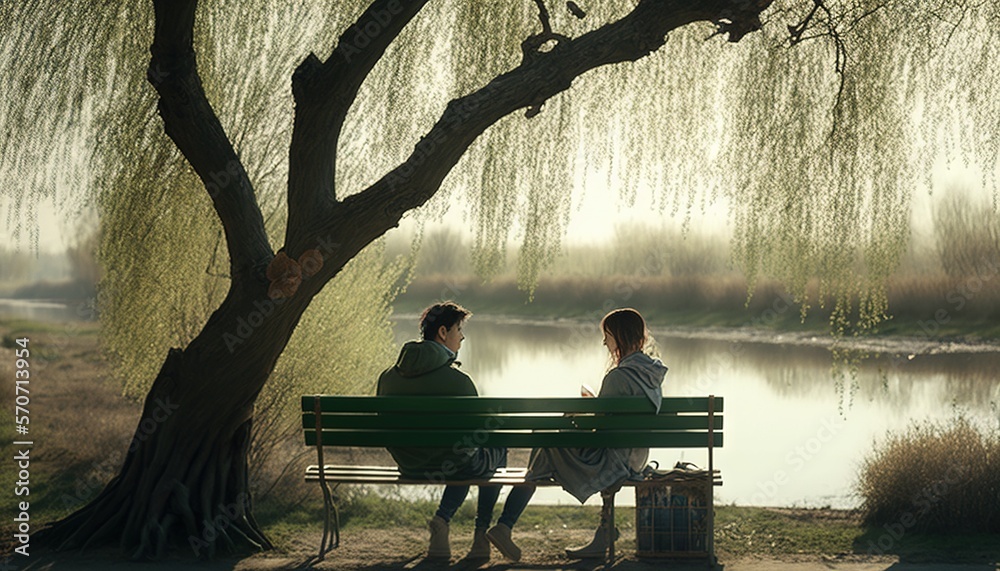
[540, 76]
[190, 121]
[323, 95]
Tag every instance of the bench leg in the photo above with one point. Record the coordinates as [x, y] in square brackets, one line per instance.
[608, 518]
[331, 519]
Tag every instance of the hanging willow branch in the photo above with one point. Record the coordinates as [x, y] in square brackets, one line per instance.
[536, 80]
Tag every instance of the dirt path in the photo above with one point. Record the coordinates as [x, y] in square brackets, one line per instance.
[402, 550]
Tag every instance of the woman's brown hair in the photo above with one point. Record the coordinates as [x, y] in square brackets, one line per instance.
[629, 330]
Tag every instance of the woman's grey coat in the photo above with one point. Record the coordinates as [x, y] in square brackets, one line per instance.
[584, 471]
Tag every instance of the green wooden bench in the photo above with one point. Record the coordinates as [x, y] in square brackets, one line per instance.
[443, 422]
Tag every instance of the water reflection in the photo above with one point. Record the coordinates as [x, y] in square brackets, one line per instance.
[795, 433]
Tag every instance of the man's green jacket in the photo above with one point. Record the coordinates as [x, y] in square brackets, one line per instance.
[428, 368]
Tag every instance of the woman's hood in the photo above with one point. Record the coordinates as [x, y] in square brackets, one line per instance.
[647, 372]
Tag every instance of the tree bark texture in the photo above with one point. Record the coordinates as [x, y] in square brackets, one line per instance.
[184, 480]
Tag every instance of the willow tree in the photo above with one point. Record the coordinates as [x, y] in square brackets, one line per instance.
[814, 147]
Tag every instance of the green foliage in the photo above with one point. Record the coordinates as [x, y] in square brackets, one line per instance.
[161, 245]
[934, 478]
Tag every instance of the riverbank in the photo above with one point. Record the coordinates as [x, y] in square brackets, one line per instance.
[884, 344]
[931, 310]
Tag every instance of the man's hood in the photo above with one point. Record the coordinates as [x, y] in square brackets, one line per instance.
[421, 357]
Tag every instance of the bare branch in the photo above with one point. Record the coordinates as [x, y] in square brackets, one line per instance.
[324, 92]
[795, 32]
[190, 121]
[543, 16]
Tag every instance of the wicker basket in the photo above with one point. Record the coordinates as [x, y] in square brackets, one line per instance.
[671, 519]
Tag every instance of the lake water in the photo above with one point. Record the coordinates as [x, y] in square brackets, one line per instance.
[794, 434]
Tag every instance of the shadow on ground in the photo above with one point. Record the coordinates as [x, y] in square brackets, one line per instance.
[974, 550]
[114, 561]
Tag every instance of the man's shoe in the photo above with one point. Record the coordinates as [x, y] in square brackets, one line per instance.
[499, 536]
[596, 549]
[480, 546]
[440, 547]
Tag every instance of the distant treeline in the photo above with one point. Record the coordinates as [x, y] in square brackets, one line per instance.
[947, 283]
[70, 274]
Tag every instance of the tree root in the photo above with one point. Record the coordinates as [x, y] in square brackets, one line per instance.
[150, 508]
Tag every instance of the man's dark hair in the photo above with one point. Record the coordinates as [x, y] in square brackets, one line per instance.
[446, 313]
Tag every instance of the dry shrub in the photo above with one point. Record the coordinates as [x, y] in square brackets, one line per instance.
[934, 478]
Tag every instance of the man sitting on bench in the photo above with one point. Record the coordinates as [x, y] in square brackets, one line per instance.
[428, 368]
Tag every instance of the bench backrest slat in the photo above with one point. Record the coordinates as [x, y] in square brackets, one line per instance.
[511, 422]
[505, 405]
[516, 439]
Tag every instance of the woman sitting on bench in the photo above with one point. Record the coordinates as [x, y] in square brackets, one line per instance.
[584, 471]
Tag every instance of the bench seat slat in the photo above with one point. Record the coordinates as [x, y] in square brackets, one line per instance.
[510, 476]
[333, 472]
[476, 421]
[504, 405]
[386, 471]
[515, 439]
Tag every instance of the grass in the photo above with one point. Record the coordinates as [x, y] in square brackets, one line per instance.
[743, 531]
[67, 467]
[740, 531]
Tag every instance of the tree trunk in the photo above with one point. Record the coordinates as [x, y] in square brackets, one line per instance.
[184, 480]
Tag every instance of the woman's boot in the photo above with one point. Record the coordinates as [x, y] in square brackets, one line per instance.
[597, 548]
